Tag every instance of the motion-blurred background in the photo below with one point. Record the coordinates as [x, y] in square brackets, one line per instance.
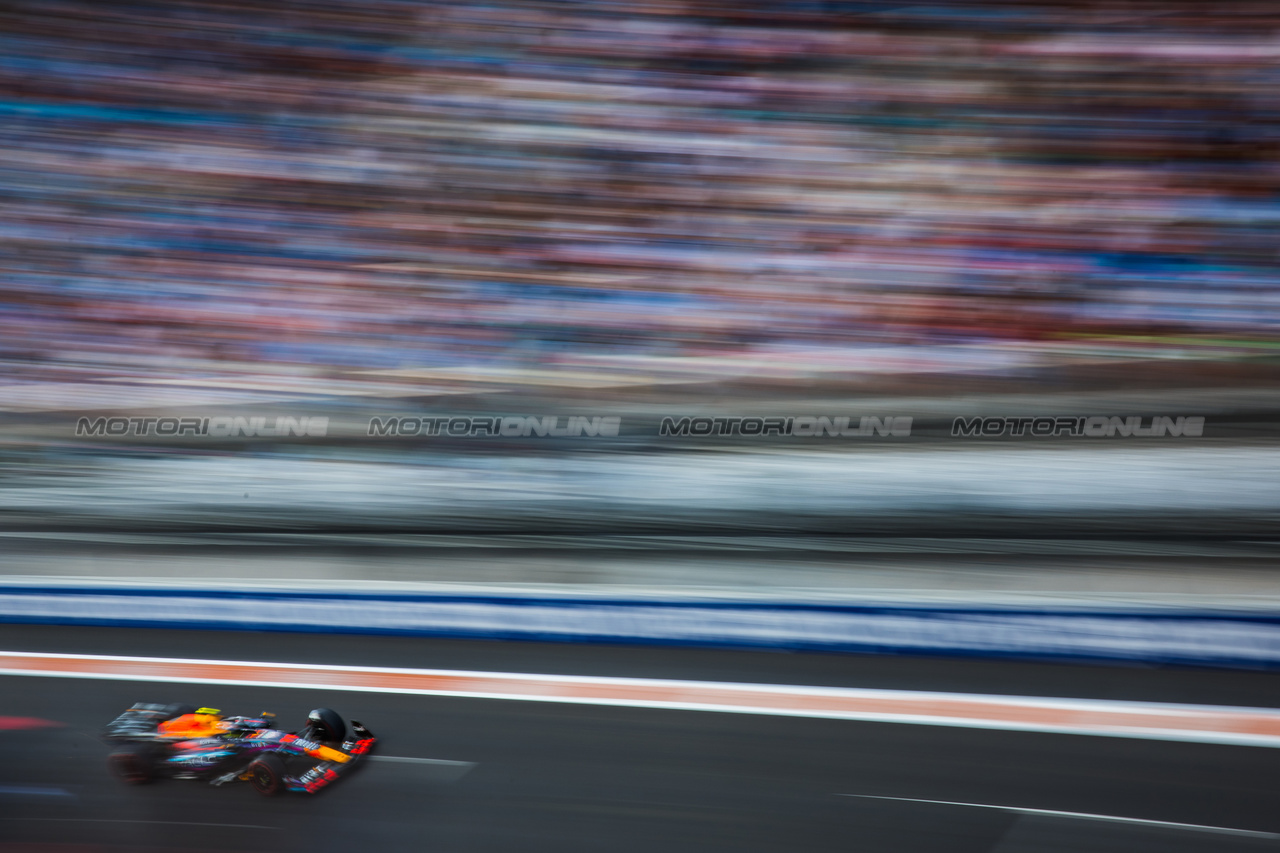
[294, 219]
[641, 209]
[370, 198]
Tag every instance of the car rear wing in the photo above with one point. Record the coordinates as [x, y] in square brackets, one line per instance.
[139, 722]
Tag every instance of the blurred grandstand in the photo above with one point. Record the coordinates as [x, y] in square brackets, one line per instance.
[393, 197]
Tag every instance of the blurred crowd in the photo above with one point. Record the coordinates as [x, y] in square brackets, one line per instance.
[383, 184]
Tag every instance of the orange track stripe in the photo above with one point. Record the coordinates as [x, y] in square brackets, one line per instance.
[1253, 726]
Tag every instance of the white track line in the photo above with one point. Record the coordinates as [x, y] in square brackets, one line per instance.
[1137, 821]
[440, 768]
[148, 822]
[1107, 718]
[407, 760]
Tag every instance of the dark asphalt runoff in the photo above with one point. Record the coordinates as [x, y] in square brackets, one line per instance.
[553, 777]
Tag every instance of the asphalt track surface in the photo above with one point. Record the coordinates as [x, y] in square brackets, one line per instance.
[543, 776]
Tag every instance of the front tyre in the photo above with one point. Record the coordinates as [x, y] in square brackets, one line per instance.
[326, 726]
[266, 775]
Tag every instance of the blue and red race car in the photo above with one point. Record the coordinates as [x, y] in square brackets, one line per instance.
[182, 742]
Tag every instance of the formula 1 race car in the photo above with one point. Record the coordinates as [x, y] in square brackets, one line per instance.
[182, 742]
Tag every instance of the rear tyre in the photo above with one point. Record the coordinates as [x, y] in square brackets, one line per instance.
[266, 775]
[326, 725]
[134, 763]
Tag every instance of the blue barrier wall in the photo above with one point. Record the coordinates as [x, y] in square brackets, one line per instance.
[1156, 635]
